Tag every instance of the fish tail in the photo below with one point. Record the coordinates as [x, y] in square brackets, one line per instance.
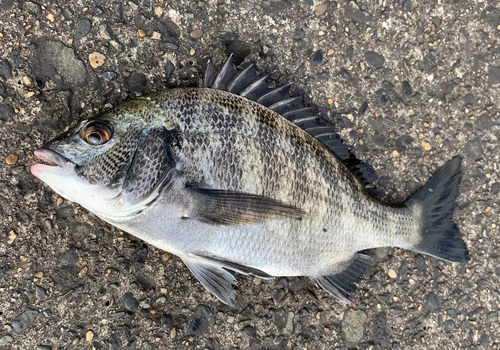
[440, 236]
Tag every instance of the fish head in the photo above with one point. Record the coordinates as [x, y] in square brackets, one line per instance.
[98, 163]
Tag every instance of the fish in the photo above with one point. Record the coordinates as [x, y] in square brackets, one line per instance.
[236, 176]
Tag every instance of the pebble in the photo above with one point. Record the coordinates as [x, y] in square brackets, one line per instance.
[249, 331]
[156, 35]
[83, 28]
[47, 313]
[473, 148]
[108, 76]
[352, 325]
[432, 301]
[166, 320]
[407, 5]
[69, 258]
[129, 302]
[169, 68]
[80, 231]
[450, 324]
[196, 34]
[161, 300]
[392, 273]
[12, 237]
[288, 326]
[5, 69]
[485, 339]
[316, 58]
[117, 315]
[381, 253]
[44, 347]
[426, 145]
[133, 6]
[494, 75]
[452, 313]
[40, 293]
[203, 317]
[320, 9]
[96, 59]
[83, 271]
[138, 83]
[23, 321]
[32, 8]
[145, 304]
[158, 11]
[11, 159]
[407, 89]
[375, 59]
[492, 317]
[6, 339]
[89, 336]
[59, 63]
[21, 128]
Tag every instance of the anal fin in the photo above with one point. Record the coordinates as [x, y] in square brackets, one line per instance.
[341, 284]
[214, 278]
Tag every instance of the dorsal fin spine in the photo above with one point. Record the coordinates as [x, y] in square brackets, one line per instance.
[248, 84]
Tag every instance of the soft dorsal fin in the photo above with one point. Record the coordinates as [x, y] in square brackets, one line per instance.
[248, 84]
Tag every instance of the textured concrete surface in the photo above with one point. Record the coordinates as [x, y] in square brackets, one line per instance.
[408, 85]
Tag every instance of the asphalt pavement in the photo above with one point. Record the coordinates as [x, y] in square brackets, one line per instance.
[407, 84]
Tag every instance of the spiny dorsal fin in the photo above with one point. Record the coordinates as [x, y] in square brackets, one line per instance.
[248, 84]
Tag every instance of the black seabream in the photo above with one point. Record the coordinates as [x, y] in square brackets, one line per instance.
[237, 176]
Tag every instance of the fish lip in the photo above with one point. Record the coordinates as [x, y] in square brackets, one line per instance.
[53, 158]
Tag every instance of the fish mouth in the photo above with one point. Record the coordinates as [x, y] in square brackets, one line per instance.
[52, 158]
[54, 161]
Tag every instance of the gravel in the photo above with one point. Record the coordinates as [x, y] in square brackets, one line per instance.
[129, 302]
[353, 325]
[69, 258]
[375, 59]
[203, 318]
[23, 321]
[249, 331]
[6, 340]
[83, 28]
[64, 68]
[5, 69]
[432, 301]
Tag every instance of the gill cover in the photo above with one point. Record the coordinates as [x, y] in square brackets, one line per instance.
[151, 168]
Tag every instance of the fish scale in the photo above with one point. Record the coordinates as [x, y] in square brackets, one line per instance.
[228, 184]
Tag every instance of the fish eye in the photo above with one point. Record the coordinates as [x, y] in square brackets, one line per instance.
[97, 133]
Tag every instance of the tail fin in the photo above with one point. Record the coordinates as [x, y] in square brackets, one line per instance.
[441, 237]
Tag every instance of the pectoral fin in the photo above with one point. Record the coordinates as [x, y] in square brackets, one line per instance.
[223, 207]
[341, 284]
[214, 278]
